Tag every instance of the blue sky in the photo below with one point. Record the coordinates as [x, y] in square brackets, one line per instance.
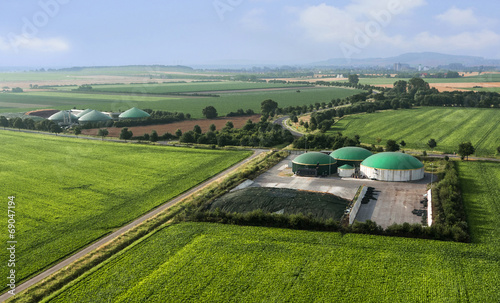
[56, 33]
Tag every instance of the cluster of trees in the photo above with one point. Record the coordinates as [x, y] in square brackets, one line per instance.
[418, 92]
[240, 112]
[261, 134]
[319, 120]
[84, 87]
[324, 141]
[157, 117]
[449, 212]
[19, 123]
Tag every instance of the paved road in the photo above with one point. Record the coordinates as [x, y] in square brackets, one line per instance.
[124, 229]
[281, 121]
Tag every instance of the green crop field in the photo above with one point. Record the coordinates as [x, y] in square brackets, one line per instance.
[203, 262]
[448, 126]
[271, 200]
[188, 87]
[472, 79]
[70, 192]
[227, 102]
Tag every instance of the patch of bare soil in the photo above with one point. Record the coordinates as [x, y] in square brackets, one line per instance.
[184, 126]
[44, 113]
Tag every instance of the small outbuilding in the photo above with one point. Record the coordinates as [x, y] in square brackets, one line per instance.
[350, 155]
[346, 171]
[314, 164]
[63, 117]
[134, 113]
[94, 117]
[390, 166]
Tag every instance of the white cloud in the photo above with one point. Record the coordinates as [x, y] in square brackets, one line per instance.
[254, 20]
[367, 7]
[20, 43]
[326, 23]
[459, 17]
[465, 41]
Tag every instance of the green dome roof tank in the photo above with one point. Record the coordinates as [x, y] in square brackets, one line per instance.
[134, 113]
[95, 116]
[63, 116]
[393, 161]
[351, 153]
[313, 158]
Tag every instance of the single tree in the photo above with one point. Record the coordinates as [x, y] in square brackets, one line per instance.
[249, 125]
[55, 128]
[378, 140]
[78, 130]
[353, 79]
[126, 134]
[432, 143]
[4, 122]
[210, 112]
[197, 129]
[498, 149]
[212, 127]
[466, 149]
[178, 133]
[188, 137]
[103, 132]
[402, 143]
[268, 106]
[154, 136]
[229, 125]
[18, 123]
[391, 146]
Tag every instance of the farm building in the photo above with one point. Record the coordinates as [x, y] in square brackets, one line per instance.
[134, 113]
[94, 116]
[351, 155]
[83, 113]
[391, 166]
[346, 171]
[315, 164]
[63, 117]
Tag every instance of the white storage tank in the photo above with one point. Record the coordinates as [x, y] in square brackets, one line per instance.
[394, 167]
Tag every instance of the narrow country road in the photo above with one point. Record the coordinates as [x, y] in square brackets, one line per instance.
[45, 274]
[281, 121]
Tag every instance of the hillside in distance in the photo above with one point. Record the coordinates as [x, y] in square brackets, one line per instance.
[413, 59]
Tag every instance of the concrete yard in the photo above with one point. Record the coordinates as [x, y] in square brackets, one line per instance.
[395, 200]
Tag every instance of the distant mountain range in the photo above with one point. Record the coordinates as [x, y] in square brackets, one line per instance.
[413, 59]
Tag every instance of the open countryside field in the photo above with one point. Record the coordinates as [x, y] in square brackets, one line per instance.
[202, 262]
[70, 192]
[473, 79]
[189, 87]
[448, 126]
[226, 103]
[104, 75]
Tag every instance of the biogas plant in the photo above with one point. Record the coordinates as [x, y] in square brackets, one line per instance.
[386, 188]
[357, 162]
